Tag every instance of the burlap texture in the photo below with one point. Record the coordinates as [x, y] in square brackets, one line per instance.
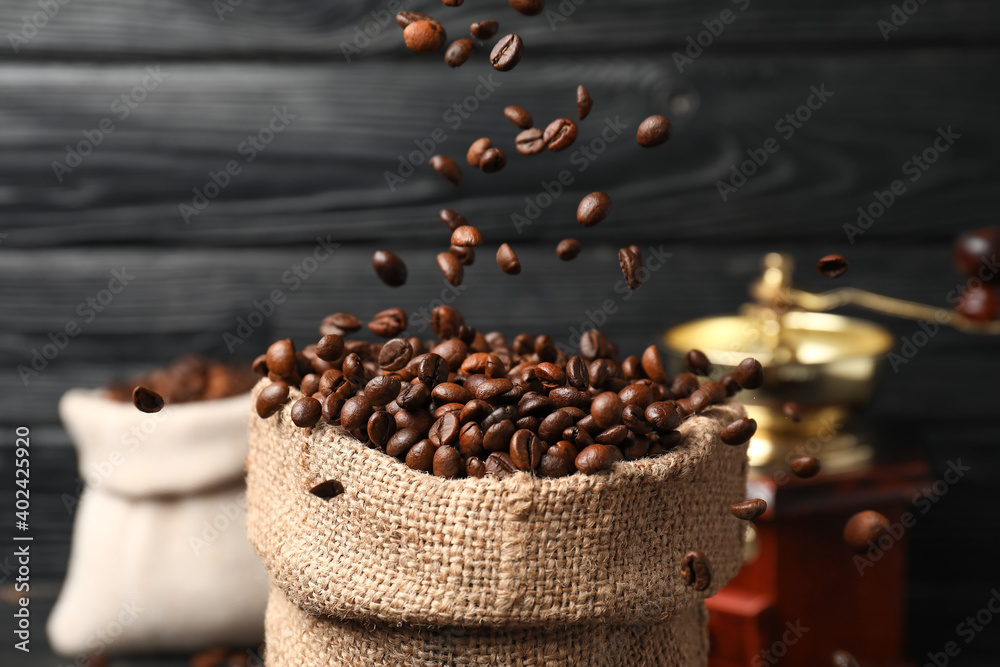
[400, 546]
[297, 639]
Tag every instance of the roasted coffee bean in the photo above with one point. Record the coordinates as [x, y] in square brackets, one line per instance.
[475, 467]
[355, 412]
[475, 153]
[493, 159]
[832, 266]
[979, 303]
[730, 383]
[805, 466]
[524, 344]
[639, 394]
[506, 412]
[340, 323]
[331, 407]
[662, 416]
[545, 349]
[447, 168]
[606, 409]
[306, 412]
[569, 396]
[390, 268]
[467, 256]
[533, 404]
[552, 427]
[497, 437]
[388, 323]
[518, 116]
[529, 142]
[552, 467]
[507, 53]
[684, 384]
[453, 351]
[492, 388]
[683, 406]
[453, 219]
[530, 423]
[634, 447]
[354, 370]
[467, 235]
[577, 373]
[587, 423]
[406, 18]
[453, 3]
[652, 365]
[424, 36]
[750, 374]
[147, 400]
[418, 418]
[458, 52]
[843, 659]
[470, 440]
[567, 452]
[500, 465]
[632, 368]
[281, 358]
[449, 392]
[791, 411]
[421, 456]
[749, 509]
[526, 449]
[654, 131]
[596, 458]
[507, 260]
[330, 347]
[634, 417]
[446, 321]
[381, 426]
[270, 400]
[445, 430]
[401, 441]
[474, 411]
[448, 463]
[612, 436]
[444, 409]
[579, 436]
[382, 389]
[310, 385]
[395, 354]
[550, 374]
[259, 365]
[559, 134]
[630, 265]
[528, 7]
[698, 363]
[592, 344]
[583, 102]
[696, 570]
[568, 249]
[484, 29]
[451, 267]
[861, 532]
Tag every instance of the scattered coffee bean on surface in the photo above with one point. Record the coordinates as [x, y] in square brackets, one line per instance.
[593, 208]
[519, 116]
[306, 412]
[146, 400]
[698, 363]
[340, 323]
[451, 267]
[390, 268]
[862, 530]
[507, 260]
[559, 134]
[653, 131]
[805, 467]
[568, 249]
[749, 374]
[832, 266]
[791, 411]
[493, 159]
[467, 236]
[739, 431]
[458, 52]
[447, 167]
[475, 152]
[484, 29]
[424, 36]
[406, 18]
[630, 265]
[388, 323]
[271, 399]
[583, 102]
[843, 659]
[528, 7]
[696, 570]
[507, 53]
[749, 509]
[529, 142]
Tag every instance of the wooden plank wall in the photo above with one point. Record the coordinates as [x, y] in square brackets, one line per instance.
[206, 83]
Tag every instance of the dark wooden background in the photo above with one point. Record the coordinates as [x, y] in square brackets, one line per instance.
[323, 176]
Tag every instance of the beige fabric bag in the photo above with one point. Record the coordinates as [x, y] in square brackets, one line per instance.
[404, 568]
[160, 559]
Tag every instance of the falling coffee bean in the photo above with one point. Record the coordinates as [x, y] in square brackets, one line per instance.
[805, 466]
[453, 219]
[147, 400]
[507, 260]
[458, 52]
[696, 570]
[395, 354]
[653, 131]
[306, 412]
[568, 249]
[484, 29]
[698, 363]
[447, 167]
[739, 431]
[630, 265]
[517, 115]
[749, 374]
[451, 267]
[593, 208]
[330, 347]
[507, 53]
[583, 102]
[388, 323]
[862, 530]
[749, 509]
[340, 324]
[404, 19]
[529, 142]
[560, 135]
[424, 36]
[791, 411]
[527, 7]
[467, 235]
[493, 160]
[843, 659]
[979, 303]
[271, 399]
[475, 154]
[832, 266]
[390, 268]
[467, 256]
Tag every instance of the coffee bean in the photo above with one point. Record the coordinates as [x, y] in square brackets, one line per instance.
[452, 351]
[861, 532]
[474, 155]
[445, 430]
[684, 384]
[698, 362]
[614, 435]
[696, 570]
[475, 467]
[791, 411]
[529, 142]
[739, 432]
[634, 417]
[467, 256]
[271, 399]
[306, 412]
[446, 321]
[568, 249]
[592, 344]
[979, 303]
[310, 385]
[449, 392]
[395, 354]
[843, 659]
[484, 29]
[147, 400]
[388, 323]
[805, 467]
[355, 412]
[259, 365]
[453, 3]
[433, 370]
[507, 260]
[470, 440]
[452, 218]
[424, 36]
[750, 374]
[652, 365]
[639, 394]
[382, 389]
[490, 389]
[552, 467]
[526, 449]
[596, 458]
[340, 323]
[550, 374]
[593, 208]
[749, 509]
[413, 396]
[447, 463]
[832, 266]
[451, 267]
[507, 53]
[281, 358]
[390, 268]
[401, 441]
[653, 131]
[606, 409]
[458, 52]
[492, 160]
[518, 116]
[577, 373]
[421, 456]
[663, 416]
[583, 102]
[447, 168]
[630, 265]
[499, 465]
[528, 7]
[467, 235]
[559, 134]
[330, 347]
[552, 427]
[406, 18]
[381, 427]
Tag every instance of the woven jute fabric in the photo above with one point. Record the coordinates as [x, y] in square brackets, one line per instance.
[298, 639]
[401, 546]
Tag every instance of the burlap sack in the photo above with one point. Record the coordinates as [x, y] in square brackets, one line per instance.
[403, 547]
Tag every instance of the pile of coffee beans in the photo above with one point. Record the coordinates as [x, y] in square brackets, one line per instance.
[474, 404]
[189, 378]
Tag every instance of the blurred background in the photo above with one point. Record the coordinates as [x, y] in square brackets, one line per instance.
[117, 117]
